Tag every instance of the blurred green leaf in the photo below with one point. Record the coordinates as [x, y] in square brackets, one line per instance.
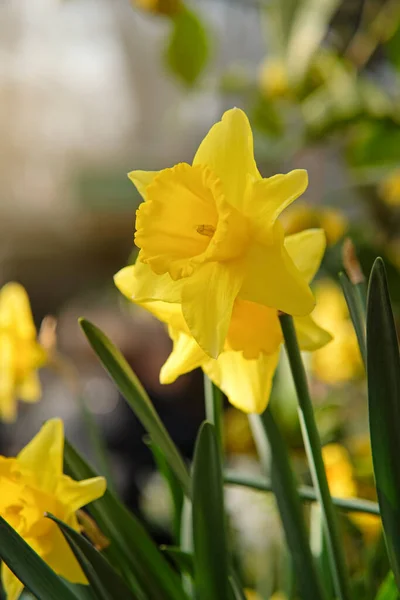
[104, 580]
[34, 573]
[188, 48]
[183, 560]
[388, 589]
[310, 26]
[209, 535]
[356, 312]
[383, 368]
[375, 143]
[131, 550]
[134, 393]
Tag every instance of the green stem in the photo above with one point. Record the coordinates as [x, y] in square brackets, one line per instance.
[274, 458]
[214, 408]
[314, 452]
[305, 492]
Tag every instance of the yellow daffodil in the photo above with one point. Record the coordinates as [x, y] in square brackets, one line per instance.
[20, 353]
[208, 234]
[341, 360]
[389, 189]
[33, 484]
[245, 368]
[304, 216]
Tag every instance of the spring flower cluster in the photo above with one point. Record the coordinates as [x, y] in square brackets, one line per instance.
[33, 484]
[214, 264]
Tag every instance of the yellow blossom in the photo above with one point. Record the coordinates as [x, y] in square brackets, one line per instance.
[33, 484]
[303, 216]
[208, 233]
[20, 353]
[251, 594]
[389, 189]
[245, 368]
[341, 360]
[273, 78]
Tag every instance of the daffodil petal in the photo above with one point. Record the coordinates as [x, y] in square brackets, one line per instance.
[167, 312]
[62, 560]
[310, 335]
[141, 179]
[76, 494]
[306, 249]
[269, 197]
[228, 150]
[185, 356]
[254, 328]
[44, 453]
[273, 280]
[11, 584]
[140, 284]
[246, 383]
[207, 303]
[15, 311]
[29, 388]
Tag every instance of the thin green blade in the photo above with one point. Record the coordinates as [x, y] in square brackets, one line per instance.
[355, 311]
[132, 390]
[209, 536]
[34, 573]
[388, 589]
[131, 551]
[105, 581]
[383, 368]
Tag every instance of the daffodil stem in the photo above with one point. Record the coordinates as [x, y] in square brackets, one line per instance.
[274, 458]
[313, 447]
[214, 408]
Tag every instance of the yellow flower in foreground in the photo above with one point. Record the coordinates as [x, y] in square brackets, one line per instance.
[305, 216]
[389, 189]
[20, 353]
[33, 484]
[341, 360]
[245, 368]
[208, 233]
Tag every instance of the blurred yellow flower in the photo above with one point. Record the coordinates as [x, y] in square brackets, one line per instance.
[389, 189]
[159, 7]
[33, 484]
[303, 216]
[208, 233]
[245, 369]
[20, 353]
[252, 594]
[342, 484]
[340, 361]
[273, 78]
[339, 471]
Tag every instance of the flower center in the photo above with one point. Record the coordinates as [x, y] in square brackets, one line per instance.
[186, 221]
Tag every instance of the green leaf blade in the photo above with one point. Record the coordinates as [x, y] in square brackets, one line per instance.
[383, 367]
[132, 390]
[209, 535]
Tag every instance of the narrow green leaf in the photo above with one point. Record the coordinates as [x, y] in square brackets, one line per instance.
[174, 487]
[104, 580]
[183, 560]
[383, 367]
[132, 390]
[388, 589]
[131, 550]
[209, 535]
[356, 312]
[274, 458]
[305, 492]
[188, 48]
[34, 573]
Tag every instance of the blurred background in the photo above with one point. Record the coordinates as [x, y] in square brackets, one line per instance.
[91, 89]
